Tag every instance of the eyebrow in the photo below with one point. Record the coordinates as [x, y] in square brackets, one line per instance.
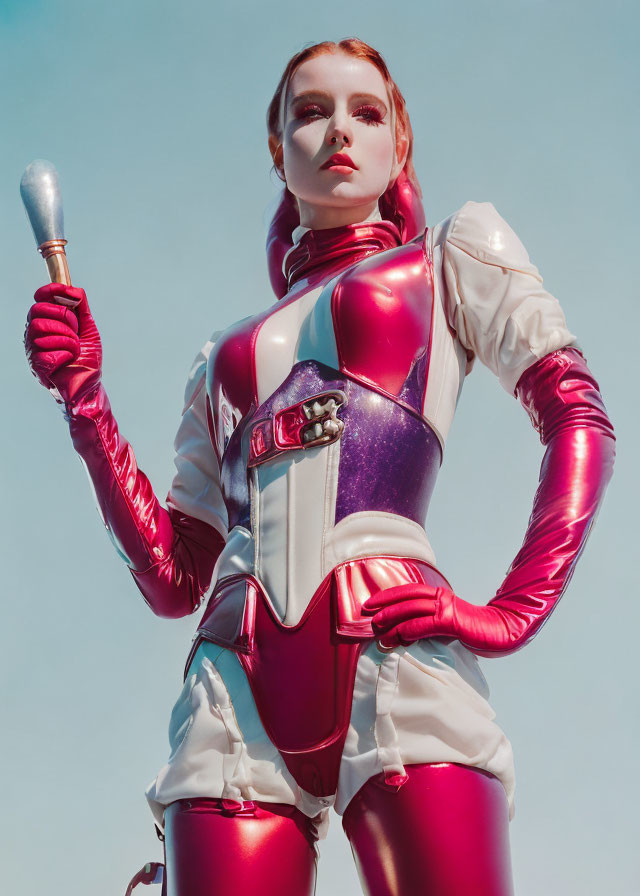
[358, 97]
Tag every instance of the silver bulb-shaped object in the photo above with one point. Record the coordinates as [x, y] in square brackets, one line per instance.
[40, 191]
[42, 199]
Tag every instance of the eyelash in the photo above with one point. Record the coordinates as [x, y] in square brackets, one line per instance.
[373, 115]
[376, 117]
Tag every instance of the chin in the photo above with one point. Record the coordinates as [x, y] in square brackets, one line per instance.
[342, 195]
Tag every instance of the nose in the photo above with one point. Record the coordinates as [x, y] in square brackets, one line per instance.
[339, 132]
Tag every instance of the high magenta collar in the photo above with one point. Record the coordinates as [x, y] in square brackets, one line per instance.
[338, 247]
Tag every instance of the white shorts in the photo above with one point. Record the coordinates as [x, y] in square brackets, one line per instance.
[422, 703]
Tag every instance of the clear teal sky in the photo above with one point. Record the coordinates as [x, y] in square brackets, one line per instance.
[154, 116]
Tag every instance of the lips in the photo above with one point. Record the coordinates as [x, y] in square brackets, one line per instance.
[340, 158]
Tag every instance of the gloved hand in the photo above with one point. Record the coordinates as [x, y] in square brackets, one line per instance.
[406, 613]
[170, 555]
[565, 406]
[62, 343]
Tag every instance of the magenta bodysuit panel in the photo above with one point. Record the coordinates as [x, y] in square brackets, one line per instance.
[363, 338]
[313, 662]
[383, 331]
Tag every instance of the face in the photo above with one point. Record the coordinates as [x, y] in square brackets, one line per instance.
[337, 103]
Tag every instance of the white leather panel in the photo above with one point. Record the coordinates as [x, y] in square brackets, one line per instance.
[294, 332]
[237, 556]
[375, 534]
[195, 489]
[448, 359]
[294, 500]
[495, 297]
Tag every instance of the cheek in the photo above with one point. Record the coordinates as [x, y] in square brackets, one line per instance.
[377, 150]
[302, 147]
[380, 149]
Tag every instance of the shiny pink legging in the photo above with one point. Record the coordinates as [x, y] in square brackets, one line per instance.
[444, 832]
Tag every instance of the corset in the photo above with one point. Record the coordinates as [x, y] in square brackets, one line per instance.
[316, 414]
[327, 465]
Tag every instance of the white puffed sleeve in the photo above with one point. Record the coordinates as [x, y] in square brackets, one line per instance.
[496, 302]
[195, 489]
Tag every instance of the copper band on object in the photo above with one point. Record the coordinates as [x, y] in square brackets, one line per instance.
[53, 253]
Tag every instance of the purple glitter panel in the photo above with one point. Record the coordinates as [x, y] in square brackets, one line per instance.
[306, 378]
[412, 392]
[389, 458]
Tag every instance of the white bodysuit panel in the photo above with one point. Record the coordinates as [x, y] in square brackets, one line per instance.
[422, 703]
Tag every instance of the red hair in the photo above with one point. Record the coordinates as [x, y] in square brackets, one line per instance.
[401, 203]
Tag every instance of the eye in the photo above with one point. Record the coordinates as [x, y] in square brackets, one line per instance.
[310, 111]
[370, 114]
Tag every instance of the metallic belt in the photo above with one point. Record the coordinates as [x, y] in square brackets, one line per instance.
[312, 421]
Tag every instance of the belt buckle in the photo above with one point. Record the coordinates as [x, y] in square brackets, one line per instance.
[313, 421]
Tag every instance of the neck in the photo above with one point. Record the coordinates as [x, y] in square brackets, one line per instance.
[320, 254]
[317, 217]
[299, 232]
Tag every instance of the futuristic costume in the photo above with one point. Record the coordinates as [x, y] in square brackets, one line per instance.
[306, 457]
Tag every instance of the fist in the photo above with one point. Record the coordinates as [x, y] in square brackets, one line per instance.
[62, 342]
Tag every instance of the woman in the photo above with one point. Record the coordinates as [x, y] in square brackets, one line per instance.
[333, 664]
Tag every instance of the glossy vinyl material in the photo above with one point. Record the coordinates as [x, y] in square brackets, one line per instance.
[313, 662]
[444, 832]
[357, 580]
[564, 403]
[229, 617]
[315, 669]
[152, 873]
[170, 554]
[563, 400]
[233, 473]
[62, 343]
[283, 223]
[382, 311]
[215, 847]
[339, 247]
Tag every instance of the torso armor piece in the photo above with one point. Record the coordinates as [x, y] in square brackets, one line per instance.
[317, 416]
[316, 409]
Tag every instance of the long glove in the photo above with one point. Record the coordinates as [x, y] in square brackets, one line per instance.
[564, 404]
[171, 555]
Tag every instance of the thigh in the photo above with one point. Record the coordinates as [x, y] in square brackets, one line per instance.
[220, 848]
[444, 832]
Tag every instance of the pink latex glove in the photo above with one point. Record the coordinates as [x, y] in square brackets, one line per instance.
[406, 613]
[62, 343]
[565, 406]
[171, 555]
